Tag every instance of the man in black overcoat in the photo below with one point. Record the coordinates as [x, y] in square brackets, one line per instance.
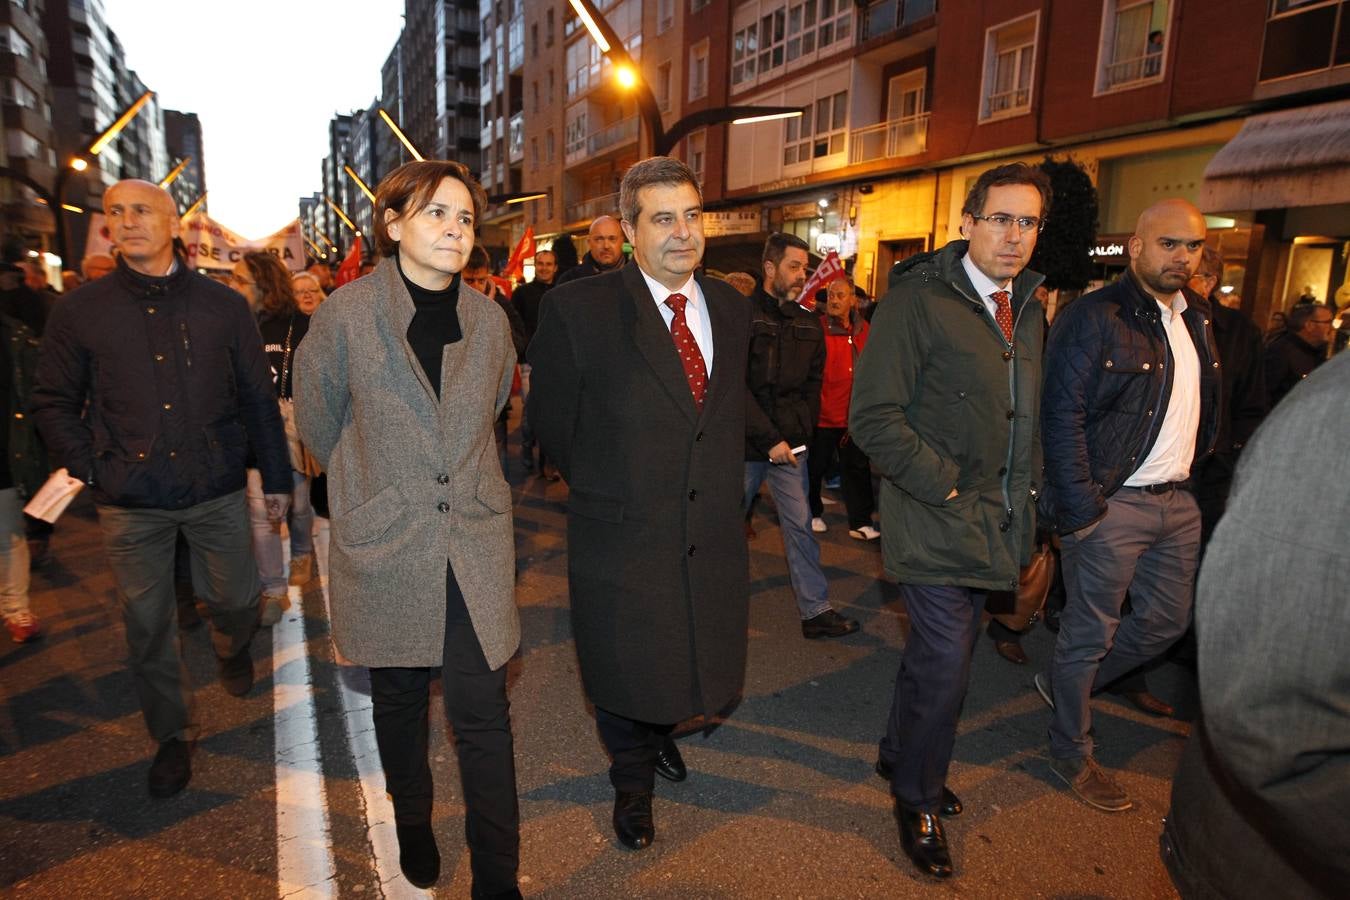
[640, 399]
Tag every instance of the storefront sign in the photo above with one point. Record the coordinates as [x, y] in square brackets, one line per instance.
[1110, 249]
[733, 221]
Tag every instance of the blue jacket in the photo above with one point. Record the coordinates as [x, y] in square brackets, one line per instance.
[151, 390]
[1108, 377]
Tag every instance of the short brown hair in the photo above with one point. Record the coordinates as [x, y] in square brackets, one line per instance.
[1013, 173]
[663, 170]
[409, 188]
[276, 295]
[775, 248]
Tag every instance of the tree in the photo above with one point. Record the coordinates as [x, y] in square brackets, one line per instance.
[1064, 250]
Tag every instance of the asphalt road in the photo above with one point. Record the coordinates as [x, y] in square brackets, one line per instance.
[781, 800]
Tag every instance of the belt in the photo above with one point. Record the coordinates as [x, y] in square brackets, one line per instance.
[1165, 487]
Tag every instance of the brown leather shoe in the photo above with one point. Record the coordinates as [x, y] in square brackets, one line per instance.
[1011, 651]
[1146, 702]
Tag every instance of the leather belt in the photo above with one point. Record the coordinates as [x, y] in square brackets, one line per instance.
[1165, 487]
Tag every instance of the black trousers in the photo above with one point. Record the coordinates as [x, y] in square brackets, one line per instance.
[632, 748]
[855, 474]
[478, 710]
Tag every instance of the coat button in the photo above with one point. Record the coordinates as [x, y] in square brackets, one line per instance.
[173, 454]
[1012, 414]
[442, 479]
[691, 549]
[1109, 364]
[1002, 470]
[443, 506]
[150, 310]
[693, 494]
[18, 415]
[168, 406]
[1007, 355]
[1002, 526]
[1150, 412]
[1147, 367]
[699, 436]
[159, 357]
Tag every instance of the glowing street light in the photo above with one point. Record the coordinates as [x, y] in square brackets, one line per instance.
[173, 175]
[398, 133]
[359, 183]
[343, 216]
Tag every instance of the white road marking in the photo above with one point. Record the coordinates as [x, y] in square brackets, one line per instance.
[304, 844]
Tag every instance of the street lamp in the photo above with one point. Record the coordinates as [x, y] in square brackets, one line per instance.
[78, 163]
[626, 72]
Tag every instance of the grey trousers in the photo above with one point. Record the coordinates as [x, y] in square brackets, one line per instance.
[140, 548]
[1148, 545]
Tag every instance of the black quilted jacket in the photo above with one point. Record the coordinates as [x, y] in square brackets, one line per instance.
[1108, 376]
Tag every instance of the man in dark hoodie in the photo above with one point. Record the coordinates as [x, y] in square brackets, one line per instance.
[945, 405]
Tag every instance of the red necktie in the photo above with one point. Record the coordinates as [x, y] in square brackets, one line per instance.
[1003, 313]
[687, 347]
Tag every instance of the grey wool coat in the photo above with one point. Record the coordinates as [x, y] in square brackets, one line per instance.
[412, 481]
[656, 556]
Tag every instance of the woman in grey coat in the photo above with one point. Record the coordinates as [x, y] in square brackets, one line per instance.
[397, 386]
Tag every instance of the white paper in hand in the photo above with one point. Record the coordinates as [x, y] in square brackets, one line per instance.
[49, 502]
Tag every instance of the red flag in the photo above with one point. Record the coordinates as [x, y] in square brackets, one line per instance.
[524, 250]
[829, 269]
[350, 269]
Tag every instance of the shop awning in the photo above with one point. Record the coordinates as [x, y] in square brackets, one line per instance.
[1294, 157]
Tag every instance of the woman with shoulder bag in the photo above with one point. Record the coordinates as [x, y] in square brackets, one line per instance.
[266, 284]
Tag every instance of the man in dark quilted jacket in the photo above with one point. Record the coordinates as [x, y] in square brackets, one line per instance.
[1130, 404]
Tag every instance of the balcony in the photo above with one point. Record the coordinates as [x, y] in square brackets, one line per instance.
[1128, 71]
[620, 133]
[587, 210]
[1006, 103]
[891, 15]
[515, 147]
[889, 140]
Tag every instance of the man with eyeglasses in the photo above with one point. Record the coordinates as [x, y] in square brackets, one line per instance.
[1302, 347]
[944, 405]
[1130, 406]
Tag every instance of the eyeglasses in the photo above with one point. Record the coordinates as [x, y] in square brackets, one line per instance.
[1003, 222]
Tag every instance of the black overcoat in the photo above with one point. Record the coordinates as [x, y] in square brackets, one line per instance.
[657, 562]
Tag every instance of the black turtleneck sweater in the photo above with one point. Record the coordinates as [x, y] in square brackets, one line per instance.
[434, 324]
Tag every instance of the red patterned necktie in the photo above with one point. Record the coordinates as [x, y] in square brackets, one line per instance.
[1003, 313]
[690, 356]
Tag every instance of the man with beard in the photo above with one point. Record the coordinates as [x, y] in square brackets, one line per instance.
[1302, 347]
[1130, 405]
[787, 367]
[604, 251]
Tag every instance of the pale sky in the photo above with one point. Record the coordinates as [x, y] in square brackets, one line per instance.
[264, 78]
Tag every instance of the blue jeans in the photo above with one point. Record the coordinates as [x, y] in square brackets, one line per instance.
[788, 485]
[267, 539]
[1148, 545]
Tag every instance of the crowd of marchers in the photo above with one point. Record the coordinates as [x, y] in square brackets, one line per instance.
[1149, 427]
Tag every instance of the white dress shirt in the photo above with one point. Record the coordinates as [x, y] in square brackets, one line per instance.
[1174, 450]
[695, 313]
[986, 286]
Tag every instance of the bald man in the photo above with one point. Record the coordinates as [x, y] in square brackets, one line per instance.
[604, 250]
[1130, 404]
[153, 388]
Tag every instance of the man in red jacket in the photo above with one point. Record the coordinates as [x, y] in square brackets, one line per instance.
[845, 334]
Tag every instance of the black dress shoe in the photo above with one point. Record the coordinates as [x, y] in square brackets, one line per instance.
[236, 673]
[951, 804]
[510, 894]
[669, 763]
[1146, 702]
[633, 819]
[417, 854]
[828, 624]
[925, 842]
[172, 769]
[1011, 651]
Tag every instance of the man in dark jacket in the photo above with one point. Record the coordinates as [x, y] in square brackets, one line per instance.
[21, 475]
[944, 404]
[177, 387]
[641, 400]
[1302, 347]
[787, 367]
[528, 300]
[1130, 405]
[604, 251]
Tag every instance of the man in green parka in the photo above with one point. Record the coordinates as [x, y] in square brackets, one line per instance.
[946, 404]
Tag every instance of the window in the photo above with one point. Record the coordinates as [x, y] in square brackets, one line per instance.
[548, 29]
[663, 86]
[698, 70]
[15, 43]
[548, 150]
[771, 35]
[582, 64]
[1305, 36]
[534, 153]
[575, 136]
[534, 40]
[20, 94]
[22, 145]
[821, 130]
[696, 5]
[1133, 36]
[665, 15]
[1009, 58]
[695, 152]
